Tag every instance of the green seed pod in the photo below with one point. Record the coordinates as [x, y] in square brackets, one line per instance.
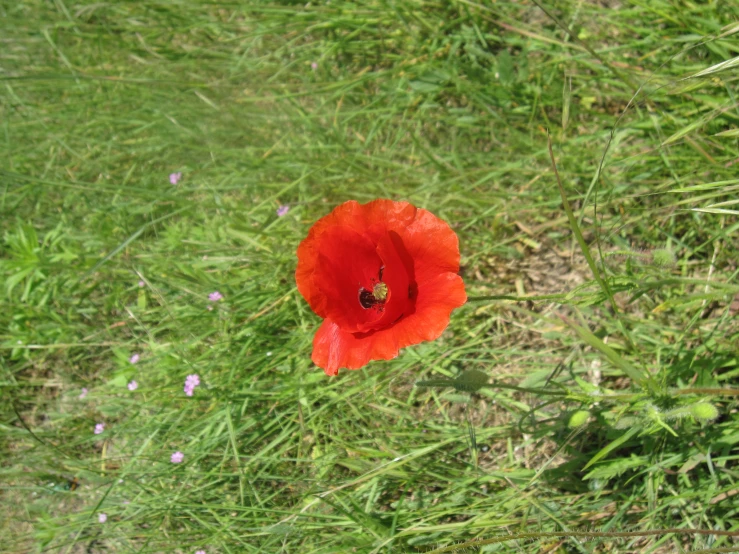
[578, 419]
[704, 412]
[456, 398]
[471, 380]
[625, 422]
[664, 258]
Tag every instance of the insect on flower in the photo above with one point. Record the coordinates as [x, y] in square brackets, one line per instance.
[383, 275]
[376, 297]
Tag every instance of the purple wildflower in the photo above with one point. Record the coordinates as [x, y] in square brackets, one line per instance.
[314, 66]
[83, 393]
[133, 385]
[99, 428]
[215, 296]
[134, 359]
[174, 178]
[200, 552]
[141, 284]
[282, 210]
[191, 382]
[102, 518]
[177, 457]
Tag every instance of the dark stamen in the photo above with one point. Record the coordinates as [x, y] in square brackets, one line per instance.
[367, 299]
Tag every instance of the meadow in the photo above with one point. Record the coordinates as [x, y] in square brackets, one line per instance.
[161, 162]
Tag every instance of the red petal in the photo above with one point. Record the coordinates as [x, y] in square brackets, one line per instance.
[398, 276]
[436, 300]
[347, 262]
[334, 348]
[372, 220]
[432, 245]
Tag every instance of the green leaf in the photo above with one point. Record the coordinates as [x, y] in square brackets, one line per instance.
[632, 372]
[121, 378]
[244, 237]
[728, 133]
[617, 467]
[506, 72]
[613, 445]
[722, 66]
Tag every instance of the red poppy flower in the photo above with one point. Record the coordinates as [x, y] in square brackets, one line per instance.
[383, 275]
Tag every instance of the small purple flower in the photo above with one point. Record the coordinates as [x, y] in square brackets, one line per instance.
[174, 178]
[177, 457]
[99, 428]
[282, 210]
[134, 359]
[83, 393]
[133, 385]
[200, 552]
[314, 66]
[102, 518]
[141, 284]
[215, 296]
[191, 382]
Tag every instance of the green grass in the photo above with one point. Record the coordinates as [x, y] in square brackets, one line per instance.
[444, 104]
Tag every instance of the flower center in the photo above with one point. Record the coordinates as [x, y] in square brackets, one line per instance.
[380, 291]
[375, 297]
